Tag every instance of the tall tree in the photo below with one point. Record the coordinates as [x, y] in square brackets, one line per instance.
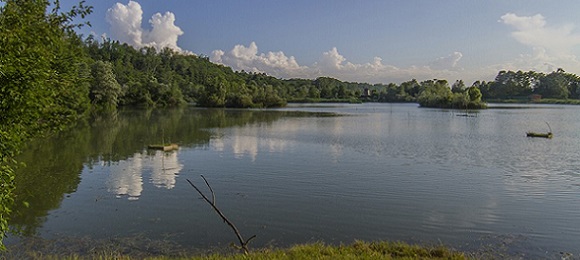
[105, 90]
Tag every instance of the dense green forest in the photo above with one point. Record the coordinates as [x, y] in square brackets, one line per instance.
[122, 76]
[50, 76]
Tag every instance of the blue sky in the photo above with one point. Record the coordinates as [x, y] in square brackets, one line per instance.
[365, 41]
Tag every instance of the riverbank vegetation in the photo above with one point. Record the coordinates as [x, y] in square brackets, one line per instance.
[356, 250]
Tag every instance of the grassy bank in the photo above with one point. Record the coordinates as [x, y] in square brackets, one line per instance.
[357, 250]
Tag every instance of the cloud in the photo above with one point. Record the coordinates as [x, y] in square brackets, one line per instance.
[332, 60]
[164, 32]
[332, 64]
[524, 23]
[248, 59]
[550, 44]
[125, 23]
[447, 62]
[550, 47]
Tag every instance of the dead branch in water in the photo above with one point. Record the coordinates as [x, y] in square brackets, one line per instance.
[243, 243]
[549, 127]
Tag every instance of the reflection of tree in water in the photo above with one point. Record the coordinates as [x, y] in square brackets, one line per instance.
[52, 170]
[54, 164]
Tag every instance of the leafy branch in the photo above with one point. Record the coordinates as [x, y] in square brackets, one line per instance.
[243, 243]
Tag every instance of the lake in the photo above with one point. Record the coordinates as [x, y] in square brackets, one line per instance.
[312, 172]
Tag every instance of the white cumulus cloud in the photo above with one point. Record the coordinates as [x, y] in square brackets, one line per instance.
[447, 62]
[332, 60]
[164, 32]
[331, 64]
[549, 44]
[125, 23]
[248, 59]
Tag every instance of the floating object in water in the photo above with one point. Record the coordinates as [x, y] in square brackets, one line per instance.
[542, 135]
[466, 115]
[165, 148]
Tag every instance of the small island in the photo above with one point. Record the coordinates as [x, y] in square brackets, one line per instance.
[438, 94]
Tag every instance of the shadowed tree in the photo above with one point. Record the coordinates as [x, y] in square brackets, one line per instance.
[553, 85]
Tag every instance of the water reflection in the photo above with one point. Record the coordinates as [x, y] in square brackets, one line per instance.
[166, 167]
[249, 141]
[126, 177]
[113, 144]
[394, 173]
[245, 144]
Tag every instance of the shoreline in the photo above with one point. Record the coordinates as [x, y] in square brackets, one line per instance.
[141, 247]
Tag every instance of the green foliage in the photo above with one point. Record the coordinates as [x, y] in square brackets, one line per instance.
[553, 85]
[474, 94]
[357, 250]
[458, 87]
[520, 86]
[438, 94]
[509, 84]
[41, 83]
[168, 78]
[105, 90]
[6, 198]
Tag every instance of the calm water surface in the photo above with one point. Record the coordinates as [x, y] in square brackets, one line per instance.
[305, 173]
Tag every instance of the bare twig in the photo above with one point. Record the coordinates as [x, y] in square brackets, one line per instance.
[243, 243]
[210, 189]
[548, 126]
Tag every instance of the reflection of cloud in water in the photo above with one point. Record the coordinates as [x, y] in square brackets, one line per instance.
[470, 216]
[165, 166]
[276, 145]
[126, 176]
[217, 140]
[248, 142]
[335, 151]
[336, 146]
[245, 145]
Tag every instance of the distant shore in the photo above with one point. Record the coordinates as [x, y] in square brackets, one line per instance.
[539, 101]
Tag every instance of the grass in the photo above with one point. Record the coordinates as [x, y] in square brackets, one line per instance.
[357, 250]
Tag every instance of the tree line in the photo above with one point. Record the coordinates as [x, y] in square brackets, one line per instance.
[122, 75]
